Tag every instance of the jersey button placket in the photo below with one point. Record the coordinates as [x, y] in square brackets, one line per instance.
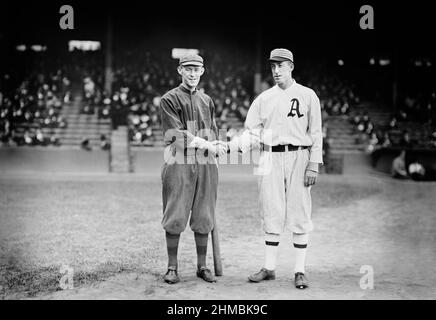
[194, 110]
[194, 116]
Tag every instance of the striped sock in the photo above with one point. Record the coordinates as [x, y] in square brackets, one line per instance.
[271, 249]
[201, 244]
[300, 245]
[172, 247]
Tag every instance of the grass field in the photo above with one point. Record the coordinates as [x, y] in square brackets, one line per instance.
[107, 228]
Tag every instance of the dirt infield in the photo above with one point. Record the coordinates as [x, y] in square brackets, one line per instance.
[106, 227]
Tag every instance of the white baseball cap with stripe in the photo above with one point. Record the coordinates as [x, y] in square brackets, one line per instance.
[281, 55]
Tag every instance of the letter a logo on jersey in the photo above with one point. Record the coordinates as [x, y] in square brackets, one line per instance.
[295, 109]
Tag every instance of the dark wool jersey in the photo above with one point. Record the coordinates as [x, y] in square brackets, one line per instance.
[185, 115]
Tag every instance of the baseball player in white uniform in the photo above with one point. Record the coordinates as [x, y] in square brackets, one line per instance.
[285, 123]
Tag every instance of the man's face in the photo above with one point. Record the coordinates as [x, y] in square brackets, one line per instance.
[282, 71]
[191, 75]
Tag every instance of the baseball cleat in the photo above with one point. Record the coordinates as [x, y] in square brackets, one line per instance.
[263, 274]
[171, 276]
[301, 281]
[205, 274]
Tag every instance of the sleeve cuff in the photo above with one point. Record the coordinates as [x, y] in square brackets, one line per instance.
[233, 145]
[316, 159]
[313, 166]
[198, 142]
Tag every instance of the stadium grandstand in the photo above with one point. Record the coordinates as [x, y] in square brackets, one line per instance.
[79, 95]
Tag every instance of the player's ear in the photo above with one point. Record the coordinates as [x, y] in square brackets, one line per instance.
[291, 64]
[179, 70]
[202, 71]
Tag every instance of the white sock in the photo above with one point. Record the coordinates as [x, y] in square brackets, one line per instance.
[300, 245]
[271, 249]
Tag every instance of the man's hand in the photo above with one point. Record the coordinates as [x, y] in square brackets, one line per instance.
[233, 146]
[218, 148]
[310, 178]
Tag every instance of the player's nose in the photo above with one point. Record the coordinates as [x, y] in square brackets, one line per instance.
[275, 70]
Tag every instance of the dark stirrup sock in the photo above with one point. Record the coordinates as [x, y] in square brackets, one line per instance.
[172, 247]
[201, 244]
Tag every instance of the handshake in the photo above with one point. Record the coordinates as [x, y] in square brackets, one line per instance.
[217, 148]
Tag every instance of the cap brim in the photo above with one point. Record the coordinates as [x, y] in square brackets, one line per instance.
[192, 63]
[280, 59]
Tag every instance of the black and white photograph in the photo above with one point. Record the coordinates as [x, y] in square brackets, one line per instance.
[217, 151]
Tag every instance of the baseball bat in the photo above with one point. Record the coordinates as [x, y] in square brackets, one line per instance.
[216, 252]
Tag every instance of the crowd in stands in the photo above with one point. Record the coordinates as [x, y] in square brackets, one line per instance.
[139, 81]
[229, 81]
[34, 88]
[337, 98]
[412, 126]
[30, 107]
[31, 102]
[143, 79]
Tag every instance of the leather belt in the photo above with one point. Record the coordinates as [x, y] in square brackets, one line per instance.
[283, 148]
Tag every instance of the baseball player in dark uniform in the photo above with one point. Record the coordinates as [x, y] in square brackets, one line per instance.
[285, 123]
[190, 172]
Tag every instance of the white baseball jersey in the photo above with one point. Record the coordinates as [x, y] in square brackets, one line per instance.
[290, 116]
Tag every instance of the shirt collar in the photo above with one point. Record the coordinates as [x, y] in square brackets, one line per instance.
[186, 90]
[294, 82]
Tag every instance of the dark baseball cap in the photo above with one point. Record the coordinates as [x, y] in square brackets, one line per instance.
[191, 60]
[281, 55]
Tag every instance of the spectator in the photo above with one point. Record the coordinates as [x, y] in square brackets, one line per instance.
[85, 145]
[326, 150]
[88, 87]
[372, 143]
[365, 119]
[28, 139]
[386, 142]
[104, 144]
[40, 138]
[405, 140]
[357, 118]
[433, 140]
[393, 123]
[369, 128]
[416, 170]
[54, 140]
[398, 169]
